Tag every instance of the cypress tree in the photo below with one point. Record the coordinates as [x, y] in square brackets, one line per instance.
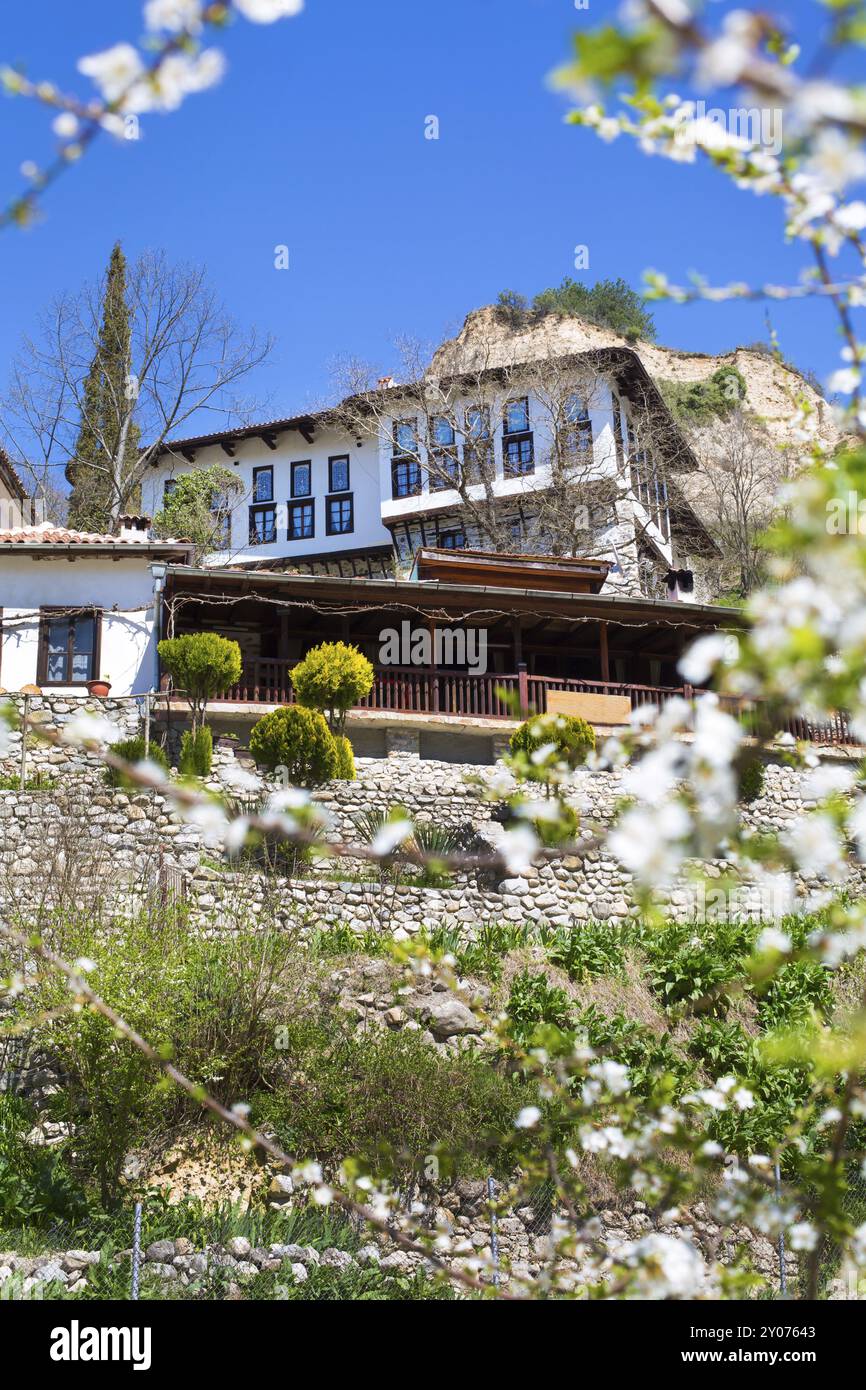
[107, 445]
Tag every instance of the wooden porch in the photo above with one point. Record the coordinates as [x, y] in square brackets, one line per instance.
[411, 690]
[535, 641]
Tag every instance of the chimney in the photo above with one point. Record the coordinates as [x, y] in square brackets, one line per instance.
[133, 528]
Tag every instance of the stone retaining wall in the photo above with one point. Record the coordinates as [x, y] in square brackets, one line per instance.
[83, 839]
[460, 1213]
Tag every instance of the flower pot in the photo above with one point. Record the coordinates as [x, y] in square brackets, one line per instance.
[98, 687]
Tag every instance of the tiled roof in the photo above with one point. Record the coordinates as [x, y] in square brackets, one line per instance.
[57, 535]
[48, 534]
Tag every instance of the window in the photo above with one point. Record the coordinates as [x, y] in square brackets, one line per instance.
[517, 450]
[441, 432]
[617, 432]
[338, 473]
[516, 416]
[339, 515]
[263, 484]
[452, 540]
[405, 437]
[68, 648]
[222, 520]
[444, 469]
[302, 478]
[301, 521]
[478, 450]
[168, 488]
[263, 525]
[518, 456]
[577, 431]
[405, 478]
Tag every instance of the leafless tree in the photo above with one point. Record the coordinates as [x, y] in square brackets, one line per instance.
[443, 426]
[736, 494]
[187, 358]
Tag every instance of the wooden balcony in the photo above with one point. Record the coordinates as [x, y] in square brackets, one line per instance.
[416, 690]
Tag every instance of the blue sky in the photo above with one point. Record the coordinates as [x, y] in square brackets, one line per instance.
[315, 139]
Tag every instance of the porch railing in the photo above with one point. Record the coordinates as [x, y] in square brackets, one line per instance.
[416, 690]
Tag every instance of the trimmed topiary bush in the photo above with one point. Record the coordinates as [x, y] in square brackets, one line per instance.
[345, 759]
[132, 751]
[570, 740]
[299, 740]
[332, 678]
[202, 665]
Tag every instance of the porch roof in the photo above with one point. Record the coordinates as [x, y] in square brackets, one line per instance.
[428, 596]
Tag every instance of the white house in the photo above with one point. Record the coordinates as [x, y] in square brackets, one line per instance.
[77, 607]
[367, 484]
[307, 489]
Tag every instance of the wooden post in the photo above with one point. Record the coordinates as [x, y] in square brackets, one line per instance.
[517, 641]
[23, 775]
[605, 660]
[523, 688]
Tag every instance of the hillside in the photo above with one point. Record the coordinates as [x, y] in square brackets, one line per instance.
[487, 340]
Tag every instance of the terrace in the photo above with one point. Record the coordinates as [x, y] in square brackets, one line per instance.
[543, 644]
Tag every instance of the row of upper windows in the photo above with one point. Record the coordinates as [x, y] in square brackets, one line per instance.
[301, 516]
[477, 428]
[301, 522]
[302, 478]
[443, 464]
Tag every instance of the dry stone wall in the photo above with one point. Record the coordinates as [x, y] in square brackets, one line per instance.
[82, 839]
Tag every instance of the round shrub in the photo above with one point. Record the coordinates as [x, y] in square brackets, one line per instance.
[299, 740]
[132, 751]
[345, 759]
[573, 740]
[332, 678]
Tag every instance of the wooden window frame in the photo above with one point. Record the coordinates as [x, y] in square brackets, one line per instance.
[254, 510]
[339, 458]
[343, 530]
[302, 463]
[408, 462]
[299, 504]
[257, 501]
[48, 615]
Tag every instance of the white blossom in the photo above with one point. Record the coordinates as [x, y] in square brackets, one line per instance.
[614, 1076]
[857, 1246]
[528, 1117]
[390, 835]
[266, 11]
[772, 939]
[814, 843]
[666, 1267]
[649, 842]
[114, 71]
[90, 728]
[173, 15]
[518, 847]
[703, 656]
[65, 125]
[803, 1236]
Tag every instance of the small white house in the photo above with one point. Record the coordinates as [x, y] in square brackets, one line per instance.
[77, 607]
